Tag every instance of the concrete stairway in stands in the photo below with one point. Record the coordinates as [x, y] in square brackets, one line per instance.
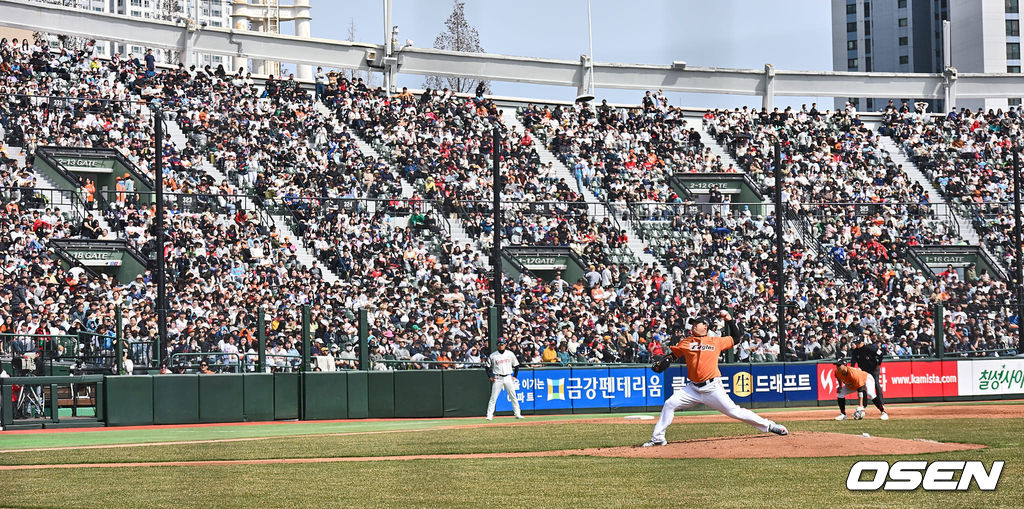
[560, 171]
[458, 230]
[179, 140]
[303, 255]
[942, 207]
[697, 122]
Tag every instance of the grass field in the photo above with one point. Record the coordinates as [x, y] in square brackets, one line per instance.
[557, 481]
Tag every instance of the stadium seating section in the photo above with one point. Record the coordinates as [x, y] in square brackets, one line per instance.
[358, 199]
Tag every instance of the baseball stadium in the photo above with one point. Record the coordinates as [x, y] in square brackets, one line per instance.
[244, 266]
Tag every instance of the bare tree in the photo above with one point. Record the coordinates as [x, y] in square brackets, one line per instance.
[171, 10]
[368, 78]
[458, 35]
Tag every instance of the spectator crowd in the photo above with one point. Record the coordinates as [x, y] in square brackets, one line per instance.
[260, 155]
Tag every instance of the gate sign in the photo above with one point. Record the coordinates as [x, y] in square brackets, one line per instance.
[99, 164]
[97, 258]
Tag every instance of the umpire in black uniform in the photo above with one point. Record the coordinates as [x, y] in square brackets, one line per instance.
[868, 357]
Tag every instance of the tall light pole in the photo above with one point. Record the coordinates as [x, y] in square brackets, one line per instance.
[161, 277]
[1018, 269]
[388, 36]
[780, 257]
[497, 321]
[586, 89]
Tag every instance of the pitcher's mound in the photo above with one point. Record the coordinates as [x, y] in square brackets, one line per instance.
[797, 445]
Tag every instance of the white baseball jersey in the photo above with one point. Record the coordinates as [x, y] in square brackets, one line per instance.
[502, 363]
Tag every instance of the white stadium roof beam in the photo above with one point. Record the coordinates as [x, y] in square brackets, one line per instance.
[766, 83]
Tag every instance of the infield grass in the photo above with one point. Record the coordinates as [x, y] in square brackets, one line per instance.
[505, 482]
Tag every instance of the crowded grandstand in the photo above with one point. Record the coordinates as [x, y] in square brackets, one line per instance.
[280, 198]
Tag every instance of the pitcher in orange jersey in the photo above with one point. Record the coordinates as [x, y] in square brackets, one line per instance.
[852, 380]
[700, 352]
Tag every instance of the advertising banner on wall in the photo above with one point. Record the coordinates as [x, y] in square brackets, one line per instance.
[896, 379]
[902, 379]
[797, 382]
[768, 382]
[524, 393]
[635, 387]
[738, 382]
[586, 388]
[990, 377]
[933, 379]
[550, 389]
[746, 383]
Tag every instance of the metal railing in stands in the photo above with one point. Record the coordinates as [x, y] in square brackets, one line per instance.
[41, 198]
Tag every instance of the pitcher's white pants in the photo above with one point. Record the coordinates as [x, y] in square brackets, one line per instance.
[712, 395]
[506, 382]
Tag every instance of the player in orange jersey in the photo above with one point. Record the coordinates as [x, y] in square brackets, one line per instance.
[853, 380]
[700, 353]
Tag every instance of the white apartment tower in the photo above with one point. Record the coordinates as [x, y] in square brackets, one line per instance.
[256, 15]
[906, 36]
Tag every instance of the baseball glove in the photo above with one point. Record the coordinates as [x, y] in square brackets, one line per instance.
[661, 363]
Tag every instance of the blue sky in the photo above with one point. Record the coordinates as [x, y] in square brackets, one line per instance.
[790, 34]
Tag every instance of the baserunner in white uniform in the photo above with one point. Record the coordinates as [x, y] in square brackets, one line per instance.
[502, 368]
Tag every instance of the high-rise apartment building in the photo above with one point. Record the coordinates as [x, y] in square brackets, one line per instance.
[906, 36]
[214, 13]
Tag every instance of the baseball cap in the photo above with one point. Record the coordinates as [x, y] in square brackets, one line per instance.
[502, 342]
[699, 319]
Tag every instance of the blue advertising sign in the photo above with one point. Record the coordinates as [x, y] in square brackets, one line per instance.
[655, 388]
[792, 382]
[799, 383]
[673, 379]
[551, 389]
[524, 393]
[633, 387]
[738, 382]
[591, 387]
[767, 383]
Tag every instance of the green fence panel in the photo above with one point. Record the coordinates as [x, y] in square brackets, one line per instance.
[326, 395]
[221, 398]
[380, 391]
[176, 399]
[6, 405]
[258, 396]
[418, 393]
[358, 407]
[286, 395]
[129, 400]
[100, 406]
[57, 370]
[466, 392]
